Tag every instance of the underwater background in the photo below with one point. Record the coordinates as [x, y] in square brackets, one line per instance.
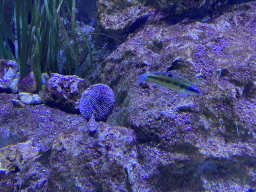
[127, 95]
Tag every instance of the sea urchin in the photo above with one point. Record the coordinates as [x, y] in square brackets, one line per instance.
[97, 100]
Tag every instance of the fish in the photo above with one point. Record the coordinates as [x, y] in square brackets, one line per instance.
[136, 25]
[171, 81]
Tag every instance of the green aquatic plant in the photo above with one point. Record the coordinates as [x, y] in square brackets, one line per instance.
[41, 32]
[6, 23]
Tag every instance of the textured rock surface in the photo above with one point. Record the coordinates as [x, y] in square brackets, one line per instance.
[110, 16]
[29, 99]
[64, 92]
[13, 86]
[47, 149]
[38, 123]
[178, 10]
[37, 99]
[26, 98]
[8, 70]
[16, 157]
[116, 16]
[219, 57]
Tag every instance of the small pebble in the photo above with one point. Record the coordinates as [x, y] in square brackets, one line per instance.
[26, 98]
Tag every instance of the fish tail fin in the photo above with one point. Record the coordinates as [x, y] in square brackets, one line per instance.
[142, 78]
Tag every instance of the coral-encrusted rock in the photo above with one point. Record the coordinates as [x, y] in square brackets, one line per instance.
[30, 99]
[116, 24]
[64, 92]
[16, 157]
[178, 10]
[8, 70]
[110, 144]
[116, 16]
[219, 124]
[227, 101]
[39, 145]
[26, 98]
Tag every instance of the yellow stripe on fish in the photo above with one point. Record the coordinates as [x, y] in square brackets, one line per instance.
[171, 81]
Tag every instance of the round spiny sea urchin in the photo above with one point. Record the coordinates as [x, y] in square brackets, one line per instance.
[97, 100]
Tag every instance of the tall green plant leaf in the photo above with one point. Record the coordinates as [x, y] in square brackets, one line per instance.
[6, 22]
[73, 25]
[37, 62]
[71, 57]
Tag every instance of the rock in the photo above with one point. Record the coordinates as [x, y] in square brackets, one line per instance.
[48, 136]
[37, 99]
[113, 22]
[12, 64]
[179, 10]
[17, 157]
[8, 70]
[18, 104]
[38, 123]
[64, 92]
[170, 11]
[27, 84]
[29, 99]
[210, 124]
[14, 86]
[26, 98]
[45, 78]
[203, 48]
[9, 75]
[113, 145]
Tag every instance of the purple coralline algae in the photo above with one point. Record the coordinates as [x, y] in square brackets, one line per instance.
[97, 100]
[64, 91]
